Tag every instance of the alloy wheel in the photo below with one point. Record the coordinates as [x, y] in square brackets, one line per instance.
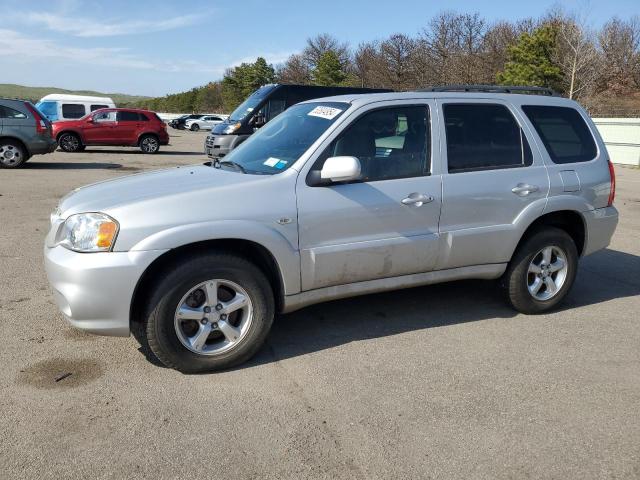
[213, 317]
[547, 273]
[149, 145]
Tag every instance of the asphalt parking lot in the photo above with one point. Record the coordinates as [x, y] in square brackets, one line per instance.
[436, 382]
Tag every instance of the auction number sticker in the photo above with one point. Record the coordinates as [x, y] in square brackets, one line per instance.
[328, 113]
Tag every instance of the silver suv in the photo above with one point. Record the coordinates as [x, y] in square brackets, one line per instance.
[336, 197]
[24, 132]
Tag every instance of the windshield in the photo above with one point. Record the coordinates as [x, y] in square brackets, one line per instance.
[277, 145]
[250, 104]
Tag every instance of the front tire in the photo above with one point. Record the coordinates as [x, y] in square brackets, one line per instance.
[70, 142]
[209, 312]
[542, 271]
[149, 144]
[12, 154]
[195, 127]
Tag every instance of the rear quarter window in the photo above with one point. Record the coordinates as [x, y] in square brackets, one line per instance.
[8, 112]
[564, 133]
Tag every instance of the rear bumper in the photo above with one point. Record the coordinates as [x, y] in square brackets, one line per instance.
[94, 290]
[600, 225]
[42, 145]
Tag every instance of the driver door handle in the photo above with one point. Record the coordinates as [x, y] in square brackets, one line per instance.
[417, 199]
[524, 189]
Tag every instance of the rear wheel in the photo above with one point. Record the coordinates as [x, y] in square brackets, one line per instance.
[12, 154]
[70, 142]
[210, 312]
[542, 271]
[195, 127]
[149, 144]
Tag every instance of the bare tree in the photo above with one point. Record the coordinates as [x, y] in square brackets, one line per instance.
[295, 70]
[470, 34]
[619, 41]
[320, 44]
[440, 39]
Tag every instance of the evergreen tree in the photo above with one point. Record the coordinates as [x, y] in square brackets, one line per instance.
[329, 71]
[531, 60]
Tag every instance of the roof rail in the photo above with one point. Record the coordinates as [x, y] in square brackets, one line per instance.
[494, 89]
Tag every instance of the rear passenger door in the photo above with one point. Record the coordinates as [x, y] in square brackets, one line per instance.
[492, 176]
[127, 125]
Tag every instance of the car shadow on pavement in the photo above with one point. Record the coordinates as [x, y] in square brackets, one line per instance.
[323, 326]
[71, 166]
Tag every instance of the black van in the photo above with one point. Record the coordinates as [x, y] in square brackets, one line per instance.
[263, 105]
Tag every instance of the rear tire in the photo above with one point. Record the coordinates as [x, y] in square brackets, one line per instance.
[542, 271]
[212, 283]
[149, 144]
[12, 154]
[70, 142]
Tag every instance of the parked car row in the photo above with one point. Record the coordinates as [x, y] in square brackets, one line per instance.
[197, 121]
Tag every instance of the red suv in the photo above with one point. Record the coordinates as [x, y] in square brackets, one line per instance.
[113, 126]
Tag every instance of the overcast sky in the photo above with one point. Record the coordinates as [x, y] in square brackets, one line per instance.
[157, 47]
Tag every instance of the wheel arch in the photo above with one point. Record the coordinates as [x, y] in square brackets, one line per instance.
[17, 140]
[145, 134]
[70, 130]
[253, 251]
[571, 221]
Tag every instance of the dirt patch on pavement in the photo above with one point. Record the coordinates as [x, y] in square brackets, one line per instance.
[59, 373]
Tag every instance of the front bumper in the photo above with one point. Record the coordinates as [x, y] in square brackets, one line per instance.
[94, 290]
[600, 225]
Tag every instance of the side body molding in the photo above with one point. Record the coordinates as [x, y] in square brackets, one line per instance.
[286, 255]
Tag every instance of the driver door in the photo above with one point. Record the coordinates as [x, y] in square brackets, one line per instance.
[373, 228]
[100, 129]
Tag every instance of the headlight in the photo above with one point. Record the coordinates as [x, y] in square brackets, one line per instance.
[232, 128]
[89, 232]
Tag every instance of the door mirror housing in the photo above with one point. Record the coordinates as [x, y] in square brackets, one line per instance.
[341, 169]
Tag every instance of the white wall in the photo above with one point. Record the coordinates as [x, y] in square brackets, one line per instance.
[622, 137]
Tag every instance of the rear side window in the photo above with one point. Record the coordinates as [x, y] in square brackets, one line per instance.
[484, 137]
[7, 112]
[128, 117]
[564, 133]
[73, 110]
[98, 107]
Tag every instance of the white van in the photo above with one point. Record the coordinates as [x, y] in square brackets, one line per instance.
[60, 106]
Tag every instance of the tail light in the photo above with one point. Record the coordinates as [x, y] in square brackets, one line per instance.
[612, 191]
[41, 125]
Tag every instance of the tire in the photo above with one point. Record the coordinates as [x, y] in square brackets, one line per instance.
[149, 144]
[170, 337]
[12, 154]
[70, 142]
[195, 127]
[530, 277]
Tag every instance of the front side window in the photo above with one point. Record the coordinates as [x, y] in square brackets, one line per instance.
[103, 117]
[564, 133]
[277, 145]
[250, 104]
[389, 143]
[7, 112]
[73, 110]
[484, 137]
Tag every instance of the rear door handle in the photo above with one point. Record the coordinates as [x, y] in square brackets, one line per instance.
[524, 189]
[417, 199]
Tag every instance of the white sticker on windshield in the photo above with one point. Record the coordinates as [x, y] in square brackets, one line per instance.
[328, 113]
[271, 162]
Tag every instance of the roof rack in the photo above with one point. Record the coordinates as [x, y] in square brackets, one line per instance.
[494, 89]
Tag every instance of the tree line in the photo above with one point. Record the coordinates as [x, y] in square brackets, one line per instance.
[600, 68]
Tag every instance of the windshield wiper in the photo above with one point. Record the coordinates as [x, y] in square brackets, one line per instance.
[232, 163]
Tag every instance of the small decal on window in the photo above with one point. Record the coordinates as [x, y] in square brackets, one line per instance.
[271, 162]
[281, 164]
[328, 113]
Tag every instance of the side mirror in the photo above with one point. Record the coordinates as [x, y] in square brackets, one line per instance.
[341, 169]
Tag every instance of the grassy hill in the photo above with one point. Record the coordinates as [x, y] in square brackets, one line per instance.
[9, 90]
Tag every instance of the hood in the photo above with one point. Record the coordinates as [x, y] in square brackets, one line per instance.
[144, 187]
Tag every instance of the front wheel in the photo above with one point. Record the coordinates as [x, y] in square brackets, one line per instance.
[542, 271]
[70, 142]
[149, 144]
[209, 313]
[195, 127]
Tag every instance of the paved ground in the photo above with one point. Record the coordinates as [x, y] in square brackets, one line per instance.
[435, 382]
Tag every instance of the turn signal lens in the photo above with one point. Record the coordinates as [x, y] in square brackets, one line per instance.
[106, 233]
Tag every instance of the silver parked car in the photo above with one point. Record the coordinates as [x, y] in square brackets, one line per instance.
[333, 198]
[207, 122]
[24, 132]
